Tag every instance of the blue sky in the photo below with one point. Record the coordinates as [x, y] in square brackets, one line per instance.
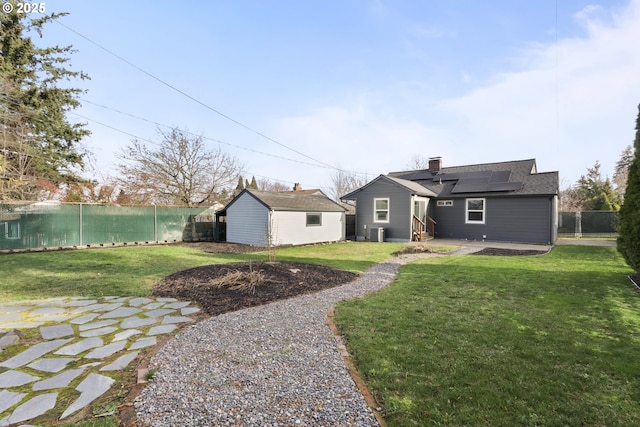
[362, 85]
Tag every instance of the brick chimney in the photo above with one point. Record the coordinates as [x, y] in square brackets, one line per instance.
[297, 187]
[435, 164]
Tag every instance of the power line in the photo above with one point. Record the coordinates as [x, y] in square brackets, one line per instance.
[191, 97]
[205, 137]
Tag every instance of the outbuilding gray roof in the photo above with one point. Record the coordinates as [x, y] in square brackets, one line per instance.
[303, 201]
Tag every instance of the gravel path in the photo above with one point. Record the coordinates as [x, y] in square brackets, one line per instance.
[272, 365]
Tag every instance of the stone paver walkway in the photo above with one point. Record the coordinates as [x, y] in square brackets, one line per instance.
[79, 342]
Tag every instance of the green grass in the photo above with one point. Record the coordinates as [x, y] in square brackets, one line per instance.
[132, 271]
[503, 341]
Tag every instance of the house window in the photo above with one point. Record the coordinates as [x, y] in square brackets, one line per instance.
[475, 211]
[314, 219]
[12, 230]
[445, 203]
[380, 210]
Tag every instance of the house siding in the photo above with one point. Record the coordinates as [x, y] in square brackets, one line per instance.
[247, 221]
[399, 226]
[511, 219]
[290, 228]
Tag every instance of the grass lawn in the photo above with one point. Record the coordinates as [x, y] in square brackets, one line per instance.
[547, 340]
[131, 271]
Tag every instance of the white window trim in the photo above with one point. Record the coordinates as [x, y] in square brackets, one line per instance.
[447, 203]
[466, 211]
[313, 225]
[6, 232]
[388, 210]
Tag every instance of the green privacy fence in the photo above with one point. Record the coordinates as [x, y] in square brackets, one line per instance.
[577, 224]
[53, 225]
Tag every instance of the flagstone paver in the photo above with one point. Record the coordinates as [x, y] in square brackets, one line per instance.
[9, 398]
[32, 353]
[84, 319]
[136, 322]
[176, 319]
[162, 329]
[135, 302]
[13, 378]
[124, 335]
[121, 312]
[72, 329]
[143, 342]
[79, 347]
[31, 409]
[51, 364]
[158, 312]
[121, 362]
[94, 386]
[56, 331]
[98, 324]
[59, 381]
[106, 351]
[97, 332]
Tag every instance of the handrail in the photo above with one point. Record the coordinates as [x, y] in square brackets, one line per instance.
[417, 225]
[432, 226]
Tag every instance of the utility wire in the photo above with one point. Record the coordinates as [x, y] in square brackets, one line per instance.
[205, 137]
[191, 97]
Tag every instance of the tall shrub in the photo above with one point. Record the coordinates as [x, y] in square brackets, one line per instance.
[629, 233]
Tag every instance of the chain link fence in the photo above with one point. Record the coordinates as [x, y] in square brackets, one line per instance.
[57, 225]
[588, 223]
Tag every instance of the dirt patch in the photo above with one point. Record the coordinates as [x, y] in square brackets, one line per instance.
[509, 252]
[216, 287]
[221, 247]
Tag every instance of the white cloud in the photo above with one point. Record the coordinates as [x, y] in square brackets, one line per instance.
[566, 104]
[572, 104]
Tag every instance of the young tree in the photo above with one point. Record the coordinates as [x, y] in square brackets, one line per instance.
[595, 193]
[267, 185]
[39, 143]
[180, 170]
[629, 232]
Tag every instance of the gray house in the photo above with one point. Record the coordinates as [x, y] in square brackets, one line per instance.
[506, 201]
[266, 218]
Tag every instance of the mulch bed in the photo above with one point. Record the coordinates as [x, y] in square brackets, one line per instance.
[281, 280]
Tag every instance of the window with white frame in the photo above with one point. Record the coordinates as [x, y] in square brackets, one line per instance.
[445, 203]
[381, 210]
[475, 211]
[11, 230]
[314, 219]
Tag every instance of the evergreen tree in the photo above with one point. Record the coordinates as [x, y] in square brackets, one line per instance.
[39, 143]
[595, 193]
[629, 233]
[240, 185]
[254, 183]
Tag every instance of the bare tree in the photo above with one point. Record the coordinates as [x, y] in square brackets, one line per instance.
[180, 170]
[418, 163]
[344, 182]
[268, 185]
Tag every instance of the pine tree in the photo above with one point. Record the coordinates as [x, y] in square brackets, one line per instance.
[629, 232]
[254, 183]
[39, 143]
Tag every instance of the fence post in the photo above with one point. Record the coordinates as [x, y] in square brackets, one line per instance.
[155, 223]
[579, 224]
[80, 236]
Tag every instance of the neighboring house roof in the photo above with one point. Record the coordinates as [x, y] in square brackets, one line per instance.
[302, 200]
[410, 186]
[518, 177]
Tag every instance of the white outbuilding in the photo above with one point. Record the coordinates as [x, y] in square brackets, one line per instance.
[266, 218]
